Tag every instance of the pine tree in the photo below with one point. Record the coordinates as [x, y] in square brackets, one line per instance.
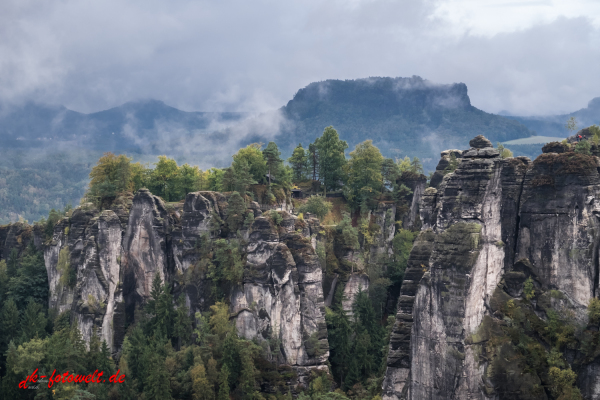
[231, 357]
[364, 176]
[9, 321]
[165, 313]
[33, 323]
[235, 212]
[157, 386]
[200, 385]
[272, 157]
[224, 383]
[331, 158]
[339, 335]
[299, 163]
[183, 323]
[155, 293]
[242, 178]
[248, 373]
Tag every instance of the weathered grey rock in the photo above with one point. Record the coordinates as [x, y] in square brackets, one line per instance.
[480, 142]
[454, 266]
[355, 283]
[443, 164]
[282, 295]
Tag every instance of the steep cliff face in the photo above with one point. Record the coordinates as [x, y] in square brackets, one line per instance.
[281, 299]
[481, 219]
[113, 258]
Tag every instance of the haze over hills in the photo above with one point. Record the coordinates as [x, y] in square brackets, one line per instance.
[403, 116]
[554, 125]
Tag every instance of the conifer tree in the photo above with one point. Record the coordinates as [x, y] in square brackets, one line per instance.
[157, 385]
[183, 324]
[9, 321]
[242, 178]
[331, 158]
[224, 383]
[272, 157]
[364, 176]
[33, 323]
[235, 212]
[165, 313]
[248, 373]
[200, 385]
[299, 163]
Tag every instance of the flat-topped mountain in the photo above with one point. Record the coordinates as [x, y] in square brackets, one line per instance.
[403, 116]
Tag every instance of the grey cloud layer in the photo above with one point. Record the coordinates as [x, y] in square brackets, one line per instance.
[252, 56]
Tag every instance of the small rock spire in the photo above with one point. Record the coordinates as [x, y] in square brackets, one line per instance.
[480, 142]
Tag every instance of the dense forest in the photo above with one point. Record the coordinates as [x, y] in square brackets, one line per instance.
[169, 353]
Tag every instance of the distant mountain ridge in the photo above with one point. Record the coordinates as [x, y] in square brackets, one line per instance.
[116, 129]
[46, 152]
[554, 125]
[403, 116]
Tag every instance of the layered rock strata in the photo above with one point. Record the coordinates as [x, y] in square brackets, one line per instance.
[115, 259]
[479, 221]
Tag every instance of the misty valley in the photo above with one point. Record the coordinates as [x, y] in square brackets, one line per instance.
[377, 239]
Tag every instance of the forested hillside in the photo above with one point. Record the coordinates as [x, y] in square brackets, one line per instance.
[228, 294]
[403, 116]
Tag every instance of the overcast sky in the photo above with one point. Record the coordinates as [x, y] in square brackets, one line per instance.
[527, 57]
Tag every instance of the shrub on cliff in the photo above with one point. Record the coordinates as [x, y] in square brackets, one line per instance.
[316, 205]
[594, 311]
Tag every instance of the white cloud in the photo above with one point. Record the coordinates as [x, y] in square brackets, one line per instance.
[234, 55]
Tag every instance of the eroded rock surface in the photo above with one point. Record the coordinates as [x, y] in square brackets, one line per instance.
[488, 226]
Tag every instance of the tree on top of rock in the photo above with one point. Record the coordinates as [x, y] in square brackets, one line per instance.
[299, 163]
[364, 175]
[331, 158]
[272, 157]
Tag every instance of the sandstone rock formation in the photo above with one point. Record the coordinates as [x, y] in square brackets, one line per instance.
[116, 257]
[488, 227]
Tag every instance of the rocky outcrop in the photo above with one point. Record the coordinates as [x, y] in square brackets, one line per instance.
[101, 270]
[444, 166]
[482, 224]
[280, 302]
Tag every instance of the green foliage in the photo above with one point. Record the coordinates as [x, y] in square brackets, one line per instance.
[594, 311]
[364, 181]
[33, 323]
[272, 157]
[30, 278]
[504, 152]
[316, 205]
[299, 163]
[249, 220]
[254, 159]
[571, 124]
[528, 289]
[215, 179]
[583, 147]
[331, 158]
[452, 165]
[347, 234]
[68, 274]
[594, 131]
[562, 384]
[236, 211]
[275, 217]
[355, 346]
[110, 176]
